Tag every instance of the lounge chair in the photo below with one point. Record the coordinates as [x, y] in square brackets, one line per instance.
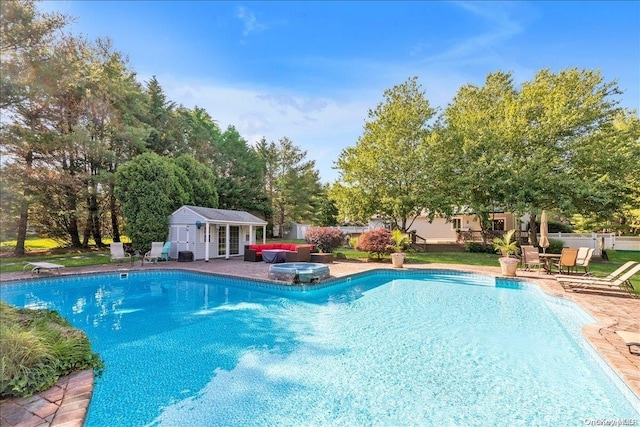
[567, 260]
[165, 251]
[155, 253]
[531, 258]
[613, 275]
[118, 253]
[630, 339]
[36, 266]
[623, 281]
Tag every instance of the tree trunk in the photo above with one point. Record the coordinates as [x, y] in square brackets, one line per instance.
[533, 230]
[24, 213]
[86, 235]
[94, 218]
[22, 228]
[72, 205]
[113, 211]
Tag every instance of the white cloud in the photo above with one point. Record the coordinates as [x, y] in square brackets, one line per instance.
[251, 24]
[322, 126]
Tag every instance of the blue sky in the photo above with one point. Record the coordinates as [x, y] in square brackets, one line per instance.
[311, 71]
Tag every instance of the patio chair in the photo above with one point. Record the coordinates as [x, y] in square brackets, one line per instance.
[584, 258]
[118, 253]
[155, 253]
[623, 282]
[567, 261]
[165, 251]
[530, 257]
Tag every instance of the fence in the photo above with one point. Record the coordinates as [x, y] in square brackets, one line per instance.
[598, 241]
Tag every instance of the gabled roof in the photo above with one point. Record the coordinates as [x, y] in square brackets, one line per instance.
[226, 215]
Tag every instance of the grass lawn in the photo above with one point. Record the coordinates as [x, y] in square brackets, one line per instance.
[46, 250]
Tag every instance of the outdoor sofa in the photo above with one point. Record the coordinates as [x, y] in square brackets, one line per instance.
[293, 252]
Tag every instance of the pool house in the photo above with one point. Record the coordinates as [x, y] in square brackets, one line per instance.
[212, 233]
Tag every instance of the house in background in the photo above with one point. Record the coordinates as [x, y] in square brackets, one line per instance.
[443, 230]
[213, 233]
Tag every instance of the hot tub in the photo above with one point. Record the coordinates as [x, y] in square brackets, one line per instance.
[299, 272]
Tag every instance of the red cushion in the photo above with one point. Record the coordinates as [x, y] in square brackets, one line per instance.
[283, 246]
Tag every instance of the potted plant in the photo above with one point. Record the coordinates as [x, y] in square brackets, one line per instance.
[399, 241]
[507, 247]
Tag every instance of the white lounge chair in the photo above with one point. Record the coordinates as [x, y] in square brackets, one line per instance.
[623, 281]
[630, 339]
[36, 266]
[613, 275]
[155, 253]
[118, 253]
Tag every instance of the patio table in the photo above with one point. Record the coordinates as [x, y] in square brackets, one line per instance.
[547, 260]
[273, 256]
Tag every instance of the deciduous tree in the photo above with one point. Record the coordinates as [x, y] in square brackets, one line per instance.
[386, 173]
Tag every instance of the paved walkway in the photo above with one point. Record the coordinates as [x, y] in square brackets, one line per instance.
[66, 404]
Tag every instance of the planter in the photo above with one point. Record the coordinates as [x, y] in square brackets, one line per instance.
[321, 258]
[509, 266]
[397, 259]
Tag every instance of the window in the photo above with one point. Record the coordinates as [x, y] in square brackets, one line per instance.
[456, 223]
[222, 240]
[498, 224]
[203, 232]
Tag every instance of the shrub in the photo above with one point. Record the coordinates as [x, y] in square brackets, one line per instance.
[558, 227]
[399, 239]
[38, 347]
[477, 247]
[325, 239]
[555, 246]
[376, 242]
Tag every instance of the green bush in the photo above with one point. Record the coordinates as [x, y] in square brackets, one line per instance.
[555, 246]
[37, 348]
[559, 227]
[477, 247]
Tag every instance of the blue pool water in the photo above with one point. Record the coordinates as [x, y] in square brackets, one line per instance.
[384, 348]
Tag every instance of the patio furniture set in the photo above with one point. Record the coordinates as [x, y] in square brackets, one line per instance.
[277, 252]
[566, 262]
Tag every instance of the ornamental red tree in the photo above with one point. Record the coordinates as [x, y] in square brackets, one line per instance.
[325, 239]
[377, 242]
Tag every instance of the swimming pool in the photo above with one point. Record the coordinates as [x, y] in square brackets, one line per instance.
[382, 348]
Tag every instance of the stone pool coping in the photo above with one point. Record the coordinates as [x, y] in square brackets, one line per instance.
[66, 404]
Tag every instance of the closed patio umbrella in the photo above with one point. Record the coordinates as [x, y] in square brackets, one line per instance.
[544, 232]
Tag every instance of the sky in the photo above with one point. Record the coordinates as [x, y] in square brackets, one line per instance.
[311, 71]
